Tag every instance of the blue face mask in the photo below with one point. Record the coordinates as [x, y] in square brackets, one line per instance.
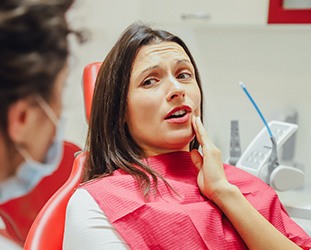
[31, 172]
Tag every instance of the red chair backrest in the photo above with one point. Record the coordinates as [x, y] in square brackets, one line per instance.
[47, 231]
[89, 78]
[18, 214]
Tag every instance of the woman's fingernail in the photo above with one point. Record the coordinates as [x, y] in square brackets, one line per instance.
[198, 119]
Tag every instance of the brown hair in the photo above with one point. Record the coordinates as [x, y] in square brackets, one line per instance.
[109, 142]
[33, 49]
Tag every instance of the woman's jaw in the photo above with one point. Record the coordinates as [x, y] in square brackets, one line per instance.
[178, 138]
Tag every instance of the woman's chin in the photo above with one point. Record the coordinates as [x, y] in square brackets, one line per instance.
[180, 144]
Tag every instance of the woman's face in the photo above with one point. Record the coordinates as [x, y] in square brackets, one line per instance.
[162, 98]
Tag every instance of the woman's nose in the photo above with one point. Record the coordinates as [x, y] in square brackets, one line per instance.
[176, 90]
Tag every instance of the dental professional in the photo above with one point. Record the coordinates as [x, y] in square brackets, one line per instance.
[33, 68]
[147, 186]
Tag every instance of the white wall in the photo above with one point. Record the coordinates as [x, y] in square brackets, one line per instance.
[104, 21]
[273, 61]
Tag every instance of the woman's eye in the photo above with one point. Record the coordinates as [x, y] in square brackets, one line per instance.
[184, 75]
[148, 82]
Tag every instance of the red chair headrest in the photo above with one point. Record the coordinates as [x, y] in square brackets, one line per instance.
[89, 78]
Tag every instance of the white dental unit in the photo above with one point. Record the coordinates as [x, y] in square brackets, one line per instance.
[261, 159]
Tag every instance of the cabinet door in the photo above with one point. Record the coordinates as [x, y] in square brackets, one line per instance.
[205, 12]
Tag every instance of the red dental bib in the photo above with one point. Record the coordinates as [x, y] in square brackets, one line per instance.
[183, 218]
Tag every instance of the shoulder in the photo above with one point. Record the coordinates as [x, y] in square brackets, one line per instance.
[81, 207]
[87, 226]
[105, 186]
[80, 198]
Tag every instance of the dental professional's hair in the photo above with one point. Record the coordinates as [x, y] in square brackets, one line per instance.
[109, 143]
[33, 49]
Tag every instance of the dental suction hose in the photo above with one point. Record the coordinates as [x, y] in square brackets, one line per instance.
[279, 177]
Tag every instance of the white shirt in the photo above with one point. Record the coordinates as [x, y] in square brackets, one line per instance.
[87, 227]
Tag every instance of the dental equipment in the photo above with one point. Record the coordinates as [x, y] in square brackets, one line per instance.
[235, 146]
[261, 158]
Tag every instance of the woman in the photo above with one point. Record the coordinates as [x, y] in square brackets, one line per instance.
[144, 189]
[34, 52]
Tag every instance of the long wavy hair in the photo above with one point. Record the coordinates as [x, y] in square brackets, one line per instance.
[109, 143]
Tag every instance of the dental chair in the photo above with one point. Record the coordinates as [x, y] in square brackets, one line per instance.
[89, 78]
[19, 214]
[47, 231]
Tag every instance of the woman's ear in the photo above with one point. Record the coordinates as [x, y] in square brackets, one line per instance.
[19, 120]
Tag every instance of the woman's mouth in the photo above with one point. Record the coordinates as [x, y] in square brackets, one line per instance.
[179, 115]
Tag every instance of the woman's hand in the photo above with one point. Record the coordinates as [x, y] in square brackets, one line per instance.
[211, 177]
[253, 228]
